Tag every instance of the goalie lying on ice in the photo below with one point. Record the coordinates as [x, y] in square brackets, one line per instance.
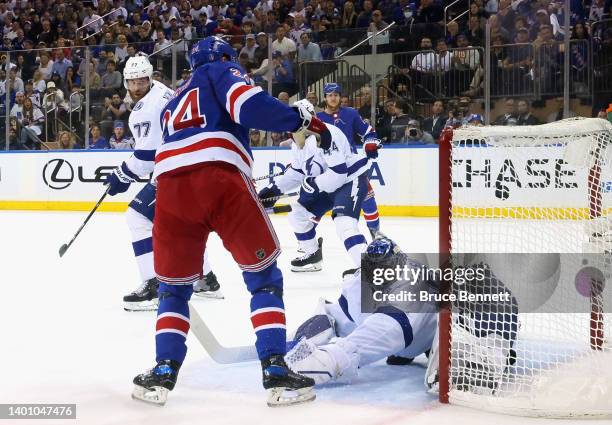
[339, 338]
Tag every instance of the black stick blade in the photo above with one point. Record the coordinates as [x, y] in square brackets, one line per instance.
[63, 250]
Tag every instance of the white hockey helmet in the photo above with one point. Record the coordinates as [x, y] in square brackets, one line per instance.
[304, 103]
[137, 67]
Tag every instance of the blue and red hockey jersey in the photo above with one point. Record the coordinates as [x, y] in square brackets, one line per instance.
[209, 118]
[350, 122]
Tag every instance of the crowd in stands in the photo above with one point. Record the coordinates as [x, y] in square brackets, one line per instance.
[43, 66]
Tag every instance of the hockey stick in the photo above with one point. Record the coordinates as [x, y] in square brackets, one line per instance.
[219, 353]
[276, 198]
[269, 176]
[65, 247]
[279, 209]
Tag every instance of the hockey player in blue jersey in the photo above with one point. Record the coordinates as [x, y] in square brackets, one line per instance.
[333, 179]
[348, 120]
[203, 173]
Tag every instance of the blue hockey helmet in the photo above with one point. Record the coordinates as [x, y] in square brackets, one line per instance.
[331, 88]
[475, 117]
[211, 49]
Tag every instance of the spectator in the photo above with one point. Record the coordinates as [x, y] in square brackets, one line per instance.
[425, 61]
[243, 61]
[475, 119]
[121, 50]
[308, 51]
[524, 114]
[185, 74]
[558, 113]
[349, 17]
[422, 66]
[452, 30]
[283, 44]
[429, 12]
[345, 101]
[509, 116]
[435, 124]
[61, 64]
[255, 138]
[399, 121]
[261, 52]
[46, 65]
[283, 97]
[299, 28]
[250, 48]
[97, 141]
[30, 123]
[67, 141]
[383, 121]
[365, 16]
[541, 18]
[444, 58]
[115, 108]
[17, 82]
[365, 110]
[506, 15]
[31, 94]
[283, 73]
[92, 21]
[377, 23]
[413, 135]
[17, 109]
[314, 100]
[111, 81]
[162, 43]
[119, 140]
[475, 31]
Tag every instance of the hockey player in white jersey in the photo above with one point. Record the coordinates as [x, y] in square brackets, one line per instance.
[331, 180]
[339, 338]
[149, 98]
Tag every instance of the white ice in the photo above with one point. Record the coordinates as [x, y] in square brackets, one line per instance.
[66, 338]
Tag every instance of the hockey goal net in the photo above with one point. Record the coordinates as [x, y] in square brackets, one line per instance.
[534, 204]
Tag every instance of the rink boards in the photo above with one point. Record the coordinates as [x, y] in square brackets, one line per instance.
[405, 180]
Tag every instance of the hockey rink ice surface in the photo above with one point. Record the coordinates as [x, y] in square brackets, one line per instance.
[67, 339]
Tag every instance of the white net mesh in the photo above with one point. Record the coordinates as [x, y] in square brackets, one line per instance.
[544, 190]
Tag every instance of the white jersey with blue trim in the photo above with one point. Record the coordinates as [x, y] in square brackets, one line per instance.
[146, 129]
[331, 168]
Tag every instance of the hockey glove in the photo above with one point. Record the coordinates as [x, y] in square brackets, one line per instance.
[270, 191]
[371, 147]
[313, 124]
[309, 191]
[119, 181]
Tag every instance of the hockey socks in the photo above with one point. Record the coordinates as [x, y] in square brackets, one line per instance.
[354, 242]
[267, 310]
[370, 211]
[172, 322]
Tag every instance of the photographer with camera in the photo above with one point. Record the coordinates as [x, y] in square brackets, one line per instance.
[413, 135]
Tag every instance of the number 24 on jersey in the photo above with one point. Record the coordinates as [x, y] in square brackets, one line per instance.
[186, 114]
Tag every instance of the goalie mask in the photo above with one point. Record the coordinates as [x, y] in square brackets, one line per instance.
[380, 254]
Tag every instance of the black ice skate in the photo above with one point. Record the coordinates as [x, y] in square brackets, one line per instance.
[144, 298]
[208, 287]
[309, 262]
[153, 385]
[284, 386]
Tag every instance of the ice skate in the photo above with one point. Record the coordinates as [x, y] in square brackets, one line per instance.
[208, 287]
[144, 298]
[284, 386]
[153, 386]
[309, 262]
